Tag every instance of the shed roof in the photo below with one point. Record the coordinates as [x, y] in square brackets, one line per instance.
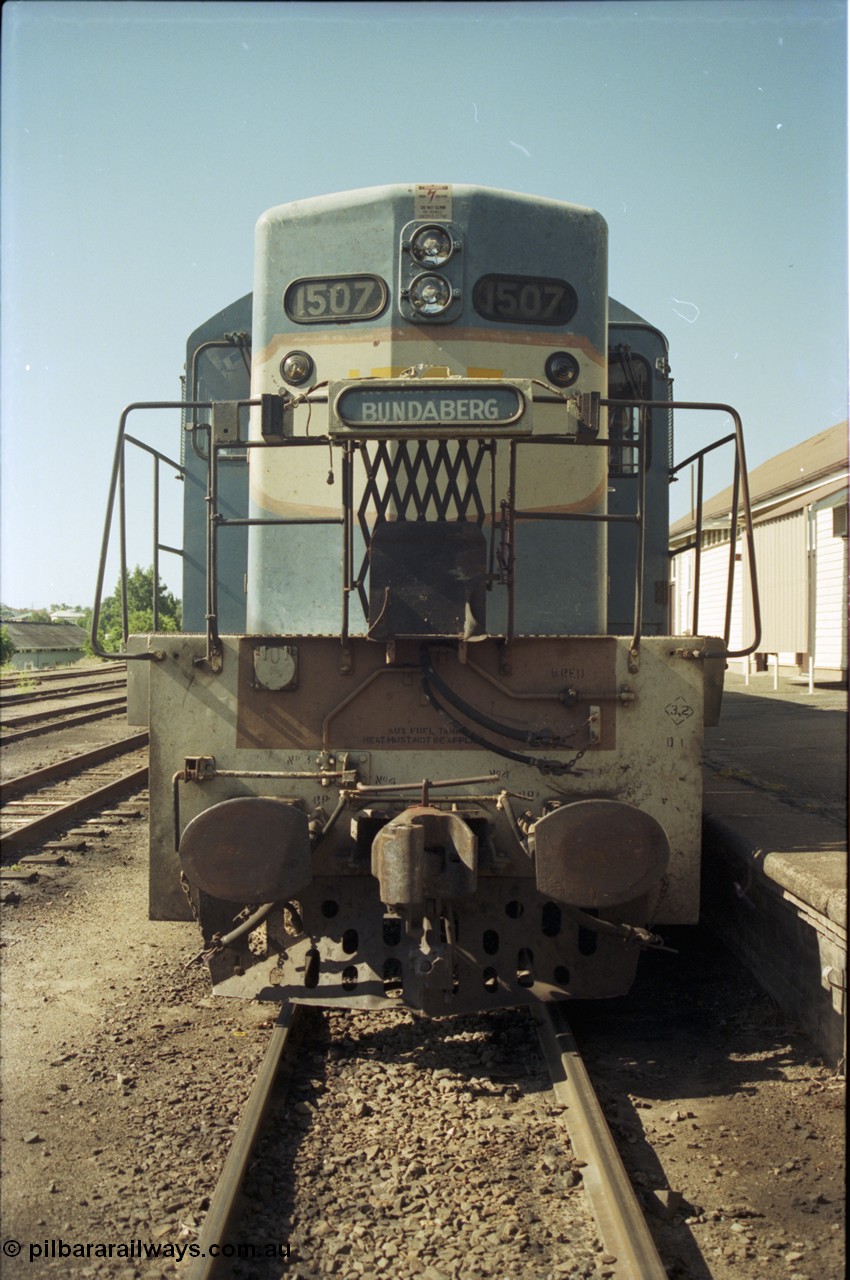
[790, 481]
[45, 635]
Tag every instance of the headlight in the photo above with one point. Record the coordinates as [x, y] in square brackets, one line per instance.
[432, 246]
[296, 367]
[562, 369]
[430, 294]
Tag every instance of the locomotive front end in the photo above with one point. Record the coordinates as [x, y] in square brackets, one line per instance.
[425, 773]
[408, 325]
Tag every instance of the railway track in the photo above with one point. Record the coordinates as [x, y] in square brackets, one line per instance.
[20, 727]
[71, 676]
[30, 696]
[75, 697]
[23, 727]
[39, 804]
[284, 1038]
[613, 1201]
[624, 1245]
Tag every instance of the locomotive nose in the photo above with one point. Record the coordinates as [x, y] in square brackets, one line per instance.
[598, 853]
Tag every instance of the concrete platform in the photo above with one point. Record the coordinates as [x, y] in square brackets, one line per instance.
[775, 848]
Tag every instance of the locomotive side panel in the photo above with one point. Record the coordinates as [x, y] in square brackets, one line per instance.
[638, 369]
[217, 369]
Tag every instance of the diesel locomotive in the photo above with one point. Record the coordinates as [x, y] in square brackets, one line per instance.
[425, 738]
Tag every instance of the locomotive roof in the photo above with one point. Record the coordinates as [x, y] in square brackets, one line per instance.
[343, 200]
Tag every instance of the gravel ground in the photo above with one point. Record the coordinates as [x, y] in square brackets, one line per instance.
[423, 1148]
[34, 753]
[729, 1123]
[123, 1080]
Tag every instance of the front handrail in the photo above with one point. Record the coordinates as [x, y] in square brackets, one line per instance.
[116, 487]
[215, 520]
[740, 497]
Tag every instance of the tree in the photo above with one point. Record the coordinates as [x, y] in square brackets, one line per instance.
[139, 610]
[7, 648]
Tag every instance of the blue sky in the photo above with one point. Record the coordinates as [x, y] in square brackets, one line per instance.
[141, 141]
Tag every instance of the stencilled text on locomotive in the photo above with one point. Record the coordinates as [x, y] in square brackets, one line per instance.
[416, 736]
[566, 673]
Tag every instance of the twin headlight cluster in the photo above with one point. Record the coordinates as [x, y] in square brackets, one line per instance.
[430, 283]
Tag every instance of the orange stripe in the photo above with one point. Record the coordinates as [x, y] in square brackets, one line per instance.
[448, 337]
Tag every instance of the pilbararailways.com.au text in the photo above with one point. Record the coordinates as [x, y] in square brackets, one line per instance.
[140, 1249]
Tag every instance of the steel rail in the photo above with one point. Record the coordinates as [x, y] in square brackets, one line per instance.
[34, 717]
[613, 1202]
[57, 725]
[74, 764]
[32, 832]
[45, 675]
[229, 1185]
[45, 695]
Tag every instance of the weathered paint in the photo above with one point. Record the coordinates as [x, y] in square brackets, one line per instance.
[649, 755]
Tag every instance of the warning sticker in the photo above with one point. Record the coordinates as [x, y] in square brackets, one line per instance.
[433, 200]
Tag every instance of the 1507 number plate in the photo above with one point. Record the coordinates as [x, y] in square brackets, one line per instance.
[524, 299]
[320, 299]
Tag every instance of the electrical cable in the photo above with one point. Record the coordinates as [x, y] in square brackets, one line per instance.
[545, 766]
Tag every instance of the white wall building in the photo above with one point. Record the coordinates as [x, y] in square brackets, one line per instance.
[799, 503]
[45, 644]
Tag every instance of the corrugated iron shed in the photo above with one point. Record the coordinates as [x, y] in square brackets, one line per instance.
[28, 637]
[789, 482]
[799, 505]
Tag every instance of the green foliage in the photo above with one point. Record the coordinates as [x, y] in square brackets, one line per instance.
[6, 646]
[139, 610]
[85, 623]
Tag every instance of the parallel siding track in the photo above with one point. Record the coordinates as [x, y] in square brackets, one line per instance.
[56, 804]
[73, 695]
[60, 675]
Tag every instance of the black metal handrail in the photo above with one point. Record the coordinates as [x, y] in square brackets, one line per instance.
[740, 497]
[117, 487]
[216, 521]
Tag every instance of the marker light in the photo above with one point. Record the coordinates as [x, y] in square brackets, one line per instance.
[430, 294]
[432, 246]
[297, 367]
[562, 369]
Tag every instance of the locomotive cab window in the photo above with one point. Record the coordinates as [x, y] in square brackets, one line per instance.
[222, 371]
[629, 378]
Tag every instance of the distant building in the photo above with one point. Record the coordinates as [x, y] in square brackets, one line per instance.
[799, 502]
[45, 644]
[67, 615]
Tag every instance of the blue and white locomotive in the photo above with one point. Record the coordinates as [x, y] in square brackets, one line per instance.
[425, 739]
